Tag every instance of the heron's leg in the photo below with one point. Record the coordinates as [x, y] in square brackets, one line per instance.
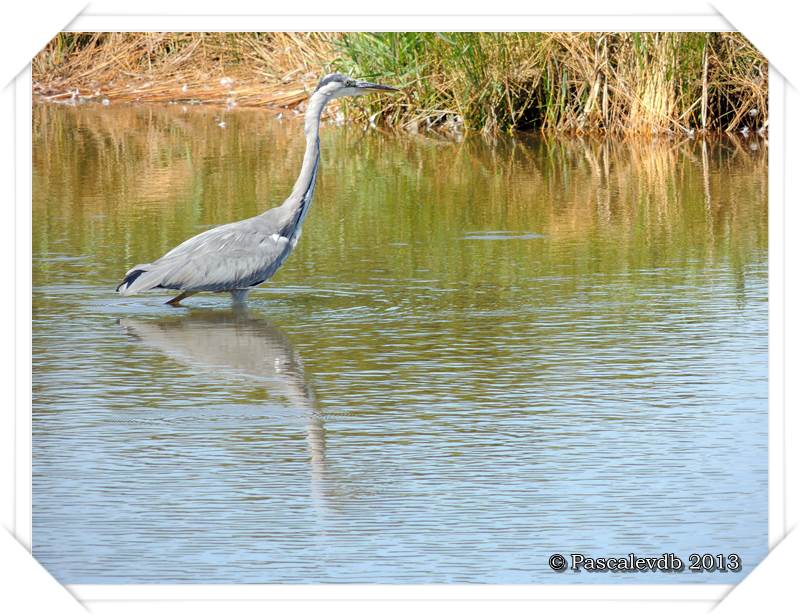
[176, 301]
[239, 296]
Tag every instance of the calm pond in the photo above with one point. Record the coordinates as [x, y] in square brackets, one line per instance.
[480, 354]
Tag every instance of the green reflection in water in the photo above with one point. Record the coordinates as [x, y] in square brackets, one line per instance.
[125, 185]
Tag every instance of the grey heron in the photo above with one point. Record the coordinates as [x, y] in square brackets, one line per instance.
[238, 256]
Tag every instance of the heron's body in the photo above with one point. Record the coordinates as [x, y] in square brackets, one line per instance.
[238, 256]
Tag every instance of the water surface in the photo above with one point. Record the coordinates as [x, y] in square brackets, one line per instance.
[481, 353]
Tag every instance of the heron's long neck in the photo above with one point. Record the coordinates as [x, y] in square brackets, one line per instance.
[303, 188]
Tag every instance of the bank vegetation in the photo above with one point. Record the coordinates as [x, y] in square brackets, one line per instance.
[584, 83]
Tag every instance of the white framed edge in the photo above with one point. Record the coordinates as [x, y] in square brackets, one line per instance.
[23, 307]
[777, 308]
[399, 23]
[547, 592]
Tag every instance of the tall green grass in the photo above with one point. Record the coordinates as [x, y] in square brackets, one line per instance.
[582, 82]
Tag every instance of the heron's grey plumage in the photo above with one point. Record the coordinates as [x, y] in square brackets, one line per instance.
[238, 256]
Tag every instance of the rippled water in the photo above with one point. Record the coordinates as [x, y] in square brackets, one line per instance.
[480, 354]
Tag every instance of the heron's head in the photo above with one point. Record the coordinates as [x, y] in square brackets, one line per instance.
[337, 85]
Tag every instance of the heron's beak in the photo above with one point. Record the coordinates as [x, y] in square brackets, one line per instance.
[367, 85]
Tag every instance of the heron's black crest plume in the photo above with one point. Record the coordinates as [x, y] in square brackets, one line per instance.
[332, 77]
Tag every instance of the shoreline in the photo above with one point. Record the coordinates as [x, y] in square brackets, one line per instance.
[568, 83]
[334, 115]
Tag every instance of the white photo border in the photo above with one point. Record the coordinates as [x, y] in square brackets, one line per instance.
[370, 592]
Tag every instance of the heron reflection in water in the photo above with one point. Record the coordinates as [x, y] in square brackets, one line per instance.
[237, 344]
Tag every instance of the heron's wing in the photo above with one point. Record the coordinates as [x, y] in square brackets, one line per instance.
[236, 255]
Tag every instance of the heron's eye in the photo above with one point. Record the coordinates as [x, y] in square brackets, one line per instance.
[349, 83]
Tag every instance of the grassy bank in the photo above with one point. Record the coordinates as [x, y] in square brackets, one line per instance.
[624, 83]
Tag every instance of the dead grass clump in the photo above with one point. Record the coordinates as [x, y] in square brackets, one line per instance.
[246, 69]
